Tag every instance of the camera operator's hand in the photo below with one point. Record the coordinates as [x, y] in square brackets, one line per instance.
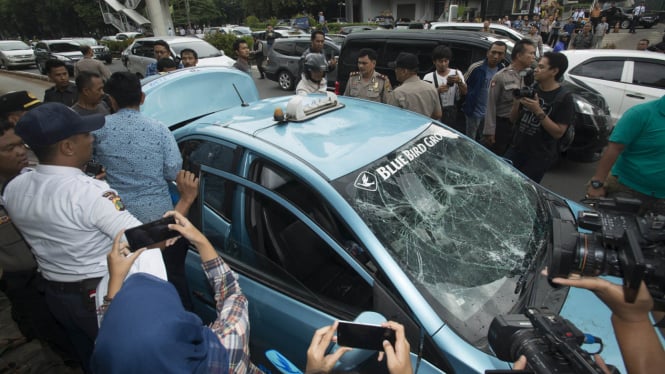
[613, 296]
[191, 233]
[640, 347]
[399, 361]
[119, 261]
[317, 360]
[595, 192]
[532, 105]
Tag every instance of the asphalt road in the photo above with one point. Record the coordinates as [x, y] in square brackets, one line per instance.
[567, 178]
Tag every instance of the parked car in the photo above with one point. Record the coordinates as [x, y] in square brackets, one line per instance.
[140, 53]
[101, 52]
[625, 16]
[361, 206]
[128, 35]
[358, 28]
[624, 77]
[498, 29]
[592, 121]
[15, 54]
[66, 51]
[283, 62]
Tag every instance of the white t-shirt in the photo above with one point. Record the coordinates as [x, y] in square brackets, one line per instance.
[448, 97]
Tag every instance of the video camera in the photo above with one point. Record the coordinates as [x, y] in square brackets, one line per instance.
[551, 344]
[527, 90]
[621, 243]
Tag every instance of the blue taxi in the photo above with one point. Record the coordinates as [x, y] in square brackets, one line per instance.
[330, 206]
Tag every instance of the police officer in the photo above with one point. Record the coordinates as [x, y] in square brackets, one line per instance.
[14, 104]
[497, 133]
[19, 280]
[67, 218]
[367, 83]
[413, 94]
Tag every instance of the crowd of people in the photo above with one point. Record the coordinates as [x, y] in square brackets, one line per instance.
[62, 229]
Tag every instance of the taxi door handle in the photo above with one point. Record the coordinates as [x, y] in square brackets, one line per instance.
[635, 96]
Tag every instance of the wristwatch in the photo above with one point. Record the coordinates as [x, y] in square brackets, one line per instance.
[596, 184]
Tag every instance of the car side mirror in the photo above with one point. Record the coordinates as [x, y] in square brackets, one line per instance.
[134, 50]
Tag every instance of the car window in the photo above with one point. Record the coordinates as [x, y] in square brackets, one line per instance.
[421, 48]
[329, 51]
[13, 46]
[202, 48]
[304, 255]
[214, 189]
[285, 48]
[651, 74]
[301, 46]
[65, 47]
[609, 70]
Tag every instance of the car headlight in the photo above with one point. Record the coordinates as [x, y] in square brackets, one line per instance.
[61, 58]
[106, 49]
[585, 107]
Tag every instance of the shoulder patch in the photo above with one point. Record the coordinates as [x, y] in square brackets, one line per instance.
[115, 199]
[493, 83]
[381, 76]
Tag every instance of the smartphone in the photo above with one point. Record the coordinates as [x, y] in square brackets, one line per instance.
[150, 233]
[359, 335]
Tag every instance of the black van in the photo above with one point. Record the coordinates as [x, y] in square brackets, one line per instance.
[592, 120]
[467, 48]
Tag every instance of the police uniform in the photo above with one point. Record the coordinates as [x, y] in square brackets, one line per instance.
[415, 95]
[69, 220]
[376, 88]
[499, 106]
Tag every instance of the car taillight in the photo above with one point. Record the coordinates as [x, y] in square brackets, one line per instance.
[336, 87]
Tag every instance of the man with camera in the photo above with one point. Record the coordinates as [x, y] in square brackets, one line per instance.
[633, 164]
[542, 115]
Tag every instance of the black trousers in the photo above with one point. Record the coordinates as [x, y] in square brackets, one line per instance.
[73, 305]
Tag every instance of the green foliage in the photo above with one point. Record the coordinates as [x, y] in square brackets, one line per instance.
[117, 46]
[225, 42]
[200, 12]
[253, 22]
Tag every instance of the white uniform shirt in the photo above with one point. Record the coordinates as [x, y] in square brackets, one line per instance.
[448, 97]
[68, 218]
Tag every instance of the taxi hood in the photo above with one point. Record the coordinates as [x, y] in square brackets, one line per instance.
[186, 94]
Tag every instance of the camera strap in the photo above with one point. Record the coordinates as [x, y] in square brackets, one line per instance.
[436, 85]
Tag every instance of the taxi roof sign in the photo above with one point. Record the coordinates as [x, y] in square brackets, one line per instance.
[303, 107]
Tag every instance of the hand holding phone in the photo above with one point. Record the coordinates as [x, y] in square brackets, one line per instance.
[359, 335]
[150, 233]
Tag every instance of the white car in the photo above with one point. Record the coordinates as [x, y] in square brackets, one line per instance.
[140, 54]
[498, 29]
[15, 53]
[624, 77]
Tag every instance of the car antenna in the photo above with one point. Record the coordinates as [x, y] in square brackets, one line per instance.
[243, 103]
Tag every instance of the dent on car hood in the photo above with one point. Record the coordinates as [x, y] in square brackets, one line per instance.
[463, 225]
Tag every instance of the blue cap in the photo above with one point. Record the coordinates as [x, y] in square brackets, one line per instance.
[50, 123]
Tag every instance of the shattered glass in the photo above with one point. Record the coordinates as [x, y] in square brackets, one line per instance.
[460, 221]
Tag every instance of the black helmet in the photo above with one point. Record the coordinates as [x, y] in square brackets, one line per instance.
[315, 62]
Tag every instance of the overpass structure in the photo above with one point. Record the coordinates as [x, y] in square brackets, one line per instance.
[122, 15]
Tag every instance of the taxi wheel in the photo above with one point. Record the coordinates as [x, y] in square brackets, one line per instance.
[285, 80]
[625, 24]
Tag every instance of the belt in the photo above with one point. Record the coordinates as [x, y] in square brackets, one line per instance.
[74, 287]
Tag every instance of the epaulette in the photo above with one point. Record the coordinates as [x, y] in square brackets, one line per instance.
[379, 75]
[354, 73]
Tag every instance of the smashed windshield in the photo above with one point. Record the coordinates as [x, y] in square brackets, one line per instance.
[461, 222]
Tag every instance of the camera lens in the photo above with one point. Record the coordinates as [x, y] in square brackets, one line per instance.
[593, 259]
